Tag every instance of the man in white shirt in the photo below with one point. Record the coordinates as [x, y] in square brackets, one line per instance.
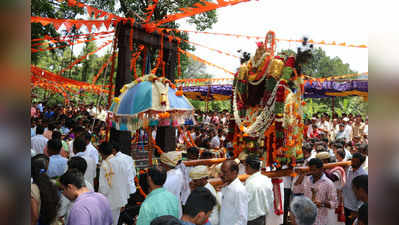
[113, 182]
[260, 192]
[175, 180]
[234, 210]
[128, 165]
[215, 141]
[79, 149]
[91, 150]
[348, 130]
[38, 142]
[199, 176]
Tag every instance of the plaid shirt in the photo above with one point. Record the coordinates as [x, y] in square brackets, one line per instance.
[325, 192]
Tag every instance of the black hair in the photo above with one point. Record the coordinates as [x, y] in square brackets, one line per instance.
[362, 182]
[363, 214]
[307, 147]
[253, 162]
[54, 146]
[316, 162]
[39, 129]
[166, 220]
[87, 136]
[200, 200]
[363, 148]
[359, 156]
[338, 145]
[105, 148]
[74, 177]
[193, 150]
[234, 166]
[48, 191]
[78, 163]
[341, 153]
[158, 175]
[79, 145]
[320, 148]
[51, 126]
[206, 155]
[116, 145]
[56, 135]
[325, 140]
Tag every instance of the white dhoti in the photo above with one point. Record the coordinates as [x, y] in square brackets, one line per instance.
[115, 215]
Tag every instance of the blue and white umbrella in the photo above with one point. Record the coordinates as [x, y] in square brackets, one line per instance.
[144, 102]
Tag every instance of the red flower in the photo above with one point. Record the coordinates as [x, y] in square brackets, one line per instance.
[259, 44]
[290, 62]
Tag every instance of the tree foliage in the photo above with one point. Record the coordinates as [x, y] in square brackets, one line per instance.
[322, 66]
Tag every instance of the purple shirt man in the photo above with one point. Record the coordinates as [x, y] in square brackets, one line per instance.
[90, 208]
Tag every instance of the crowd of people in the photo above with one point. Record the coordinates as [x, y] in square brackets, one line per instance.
[80, 178]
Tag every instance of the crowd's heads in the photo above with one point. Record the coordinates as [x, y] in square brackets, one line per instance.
[316, 167]
[54, 146]
[252, 164]
[357, 160]
[78, 163]
[360, 187]
[165, 220]
[199, 175]
[39, 130]
[340, 154]
[71, 182]
[199, 205]
[170, 159]
[79, 145]
[156, 177]
[323, 156]
[303, 210]
[229, 171]
[192, 153]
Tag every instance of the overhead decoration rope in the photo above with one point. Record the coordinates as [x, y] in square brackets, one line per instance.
[308, 78]
[67, 37]
[69, 23]
[103, 67]
[34, 50]
[332, 43]
[196, 58]
[70, 42]
[97, 12]
[197, 8]
[39, 74]
[150, 9]
[85, 56]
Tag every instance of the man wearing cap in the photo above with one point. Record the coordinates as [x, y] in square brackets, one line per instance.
[260, 192]
[241, 162]
[175, 180]
[199, 176]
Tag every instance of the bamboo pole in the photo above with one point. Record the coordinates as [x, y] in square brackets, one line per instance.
[281, 173]
[206, 162]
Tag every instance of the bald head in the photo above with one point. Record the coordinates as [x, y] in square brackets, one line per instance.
[229, 171]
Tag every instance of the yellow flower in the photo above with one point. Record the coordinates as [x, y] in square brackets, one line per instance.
[117, 100]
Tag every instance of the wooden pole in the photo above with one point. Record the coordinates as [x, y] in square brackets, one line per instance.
[281, 173]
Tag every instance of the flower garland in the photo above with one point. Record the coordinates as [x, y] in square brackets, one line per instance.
[262, 121]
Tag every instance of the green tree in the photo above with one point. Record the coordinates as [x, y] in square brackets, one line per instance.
[323, 66]
[51, 9]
